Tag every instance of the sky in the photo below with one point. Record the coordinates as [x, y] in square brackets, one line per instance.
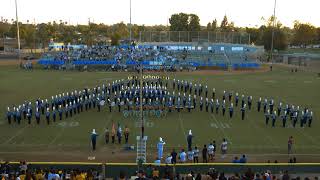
[151, 12]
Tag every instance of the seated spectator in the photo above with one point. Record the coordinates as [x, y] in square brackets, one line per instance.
[22, 175]
[155, 173]
[243, 159]
[257, 177]
[140, 175]
[198, 177]
[222, 177]
[149, 171]
[183, 156]
[249, 174]
[168, 159]
[235, 160]
[157, 162]
[167, 172]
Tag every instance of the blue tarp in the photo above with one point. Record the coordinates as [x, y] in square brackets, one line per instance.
[94, 62]
[51, 62]
[148, 63]
[245, 65]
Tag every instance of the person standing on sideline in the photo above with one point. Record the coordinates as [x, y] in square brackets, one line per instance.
[119, 133]
[126, 134]
[290, 144]
[189, 139]
[183, 156]
[94, 139]
[113, 133]
[174, 157]
[204, 154]
[160, 145]
[106, 135]
[210, 151]
[190, 155]
[224, 147]
[196, 155]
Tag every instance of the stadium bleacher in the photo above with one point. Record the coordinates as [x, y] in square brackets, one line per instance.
[223, 56]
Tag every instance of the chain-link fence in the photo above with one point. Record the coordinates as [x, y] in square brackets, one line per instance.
[191, 36]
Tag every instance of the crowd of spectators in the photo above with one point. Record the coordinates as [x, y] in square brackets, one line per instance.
[120, 54]
[23, 172]
[212, 174]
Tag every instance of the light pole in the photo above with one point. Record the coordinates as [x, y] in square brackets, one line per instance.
[273, 26]
[141, 101]
[130, 25]
[18, 33]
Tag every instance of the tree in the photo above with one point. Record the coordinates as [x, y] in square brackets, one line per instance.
[209, 26]
[184, 22]
[304, 34]
[254, 34]
[4, 27]
[194, 23]
[318, 35]
[179, 22]
[121, 29]
[224, 23]
[214, 25]
[29, 35]
[42, 33]
[280, 41]
[115, 39]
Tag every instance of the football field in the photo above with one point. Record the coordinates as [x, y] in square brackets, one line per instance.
[69, 139]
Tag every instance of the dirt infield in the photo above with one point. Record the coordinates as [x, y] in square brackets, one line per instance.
[221, 72]
[9, 62]
[117, 155]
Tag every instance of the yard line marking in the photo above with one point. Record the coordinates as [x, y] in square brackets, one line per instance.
[182, 127]
[266, 135]
[107, 123]
[221, 129]
[232, 154]
[57, 136]
[17, 134]
[307, 136]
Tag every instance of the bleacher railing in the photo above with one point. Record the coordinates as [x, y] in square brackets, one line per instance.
[112, 170]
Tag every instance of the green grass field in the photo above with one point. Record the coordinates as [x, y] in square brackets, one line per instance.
[69, 139]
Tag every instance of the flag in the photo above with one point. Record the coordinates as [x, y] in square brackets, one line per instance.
[113, 130]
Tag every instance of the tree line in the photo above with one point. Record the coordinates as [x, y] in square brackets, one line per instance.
[39, 35]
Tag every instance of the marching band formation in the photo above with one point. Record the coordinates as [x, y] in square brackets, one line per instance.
[158, 93]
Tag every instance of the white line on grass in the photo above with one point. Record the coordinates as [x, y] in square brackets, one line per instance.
[57, 136]
[308, 136]
[233, 154]
[107, 123]
[221, 129]
[15, 135]
[182, 127]
[266, 135]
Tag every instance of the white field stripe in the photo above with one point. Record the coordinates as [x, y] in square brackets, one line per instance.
[107, 123]
[15, 135]
[221, 129]
[232, 154]
[59, 134]
[314, 141]
[266, 135]
[182, 127]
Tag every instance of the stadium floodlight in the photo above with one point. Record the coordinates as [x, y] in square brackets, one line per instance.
[18, 32]
[273, 26]
[130, 25]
